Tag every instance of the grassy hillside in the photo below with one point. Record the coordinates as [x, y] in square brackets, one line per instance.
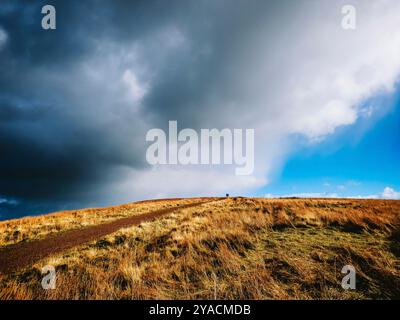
[34, 228]
[239, 248]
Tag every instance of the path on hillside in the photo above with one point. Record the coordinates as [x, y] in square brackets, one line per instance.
[20, 255]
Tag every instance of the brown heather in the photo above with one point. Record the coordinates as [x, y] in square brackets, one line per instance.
[239, 248]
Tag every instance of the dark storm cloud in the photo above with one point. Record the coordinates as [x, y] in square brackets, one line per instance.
[208, 74]
[65, 123]
[56, 146]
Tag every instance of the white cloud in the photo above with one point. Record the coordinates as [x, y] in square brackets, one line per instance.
[354, 183]
[136, 89]
[389, 193]
[305, 195]
[179, 182]
[3, 38]
[318, 81]
[348, 184]
[8, 201]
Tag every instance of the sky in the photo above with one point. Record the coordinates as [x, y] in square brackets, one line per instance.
[76, 102]
[359, 161]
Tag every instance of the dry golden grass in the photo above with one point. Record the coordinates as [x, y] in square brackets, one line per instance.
[33, 228]
[235, 249]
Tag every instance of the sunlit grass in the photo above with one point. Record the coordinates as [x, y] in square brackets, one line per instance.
[235, 249]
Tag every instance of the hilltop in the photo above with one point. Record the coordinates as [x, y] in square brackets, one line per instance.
[234, 248]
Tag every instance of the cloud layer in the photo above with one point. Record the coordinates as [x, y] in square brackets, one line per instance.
[387, 194]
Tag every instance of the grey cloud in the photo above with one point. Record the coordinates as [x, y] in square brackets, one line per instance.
[62, 132]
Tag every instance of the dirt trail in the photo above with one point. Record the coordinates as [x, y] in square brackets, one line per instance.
[20, 255]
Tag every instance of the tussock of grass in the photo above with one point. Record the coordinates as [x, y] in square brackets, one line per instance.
[239, 248]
